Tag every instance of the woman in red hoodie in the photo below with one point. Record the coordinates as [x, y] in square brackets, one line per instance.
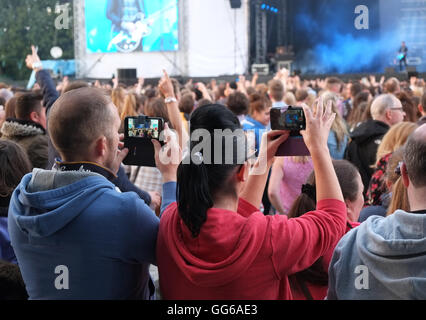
[312, 283]
[214, 243]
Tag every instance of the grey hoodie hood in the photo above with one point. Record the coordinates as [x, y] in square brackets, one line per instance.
[394, 251]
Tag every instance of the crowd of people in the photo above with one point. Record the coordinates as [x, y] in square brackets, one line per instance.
[346, 222]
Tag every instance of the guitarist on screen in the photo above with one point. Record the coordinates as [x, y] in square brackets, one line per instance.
[402, 55]
[125, 15]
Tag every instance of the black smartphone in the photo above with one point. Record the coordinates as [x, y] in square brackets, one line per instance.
[291, 119]
[138, 133]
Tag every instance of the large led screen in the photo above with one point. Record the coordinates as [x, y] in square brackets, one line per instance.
[131, 25]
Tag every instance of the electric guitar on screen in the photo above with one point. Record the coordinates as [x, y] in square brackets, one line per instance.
[126, 40]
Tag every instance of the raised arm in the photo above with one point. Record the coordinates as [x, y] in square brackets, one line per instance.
[315, 136]
[50, 94]
[277, 176]
[166, 88]
[253, 191]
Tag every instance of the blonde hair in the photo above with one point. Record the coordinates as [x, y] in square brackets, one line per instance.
[399, 198]
[339, 125]
[130, 106]
[396, 137]
[117, 96]
[290, 99]
[399, 192]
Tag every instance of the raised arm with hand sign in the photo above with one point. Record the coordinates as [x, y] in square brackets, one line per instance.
[318, 126]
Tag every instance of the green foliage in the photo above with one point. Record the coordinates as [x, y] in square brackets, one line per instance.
[27, 22]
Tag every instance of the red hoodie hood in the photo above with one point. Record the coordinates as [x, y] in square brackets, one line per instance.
[226, 247]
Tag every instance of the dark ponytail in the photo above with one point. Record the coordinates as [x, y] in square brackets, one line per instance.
[199, 183]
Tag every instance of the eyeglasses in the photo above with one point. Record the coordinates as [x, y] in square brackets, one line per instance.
[398, 109]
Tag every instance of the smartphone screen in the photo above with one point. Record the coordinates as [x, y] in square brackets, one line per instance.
[144, 127]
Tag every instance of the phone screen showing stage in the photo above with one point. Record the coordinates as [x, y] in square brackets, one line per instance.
[147, 129]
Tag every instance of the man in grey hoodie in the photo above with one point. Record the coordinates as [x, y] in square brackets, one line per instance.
[385, 258]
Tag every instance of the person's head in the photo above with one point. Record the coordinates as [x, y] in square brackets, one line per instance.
[75, 85]
[388, 109]
[338, 126]
[186, 104]
[130, 106]
[403, 43]
[83, 126]
[395, 138]
[203, 102]
[411, 112]
[290, 99]
[352, 188]
[302, 95]
[260, 109]
[238, 103]
[14, 164]
[157, 108]
[355, 117]
[413, 169]
[276, 90]
[10, 108]
[356, 88]
[29, 108]
[392, 86]
[212, 178]
[6, 94]
[118, 95]
[334, 84]
[12, 286]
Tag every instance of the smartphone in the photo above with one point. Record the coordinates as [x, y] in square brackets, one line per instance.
[291, 119]
[138, 133]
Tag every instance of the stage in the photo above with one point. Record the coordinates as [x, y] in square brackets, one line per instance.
[205, 39]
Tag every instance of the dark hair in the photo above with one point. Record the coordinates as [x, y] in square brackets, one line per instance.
[238, 103]
[408, 106]
[26, 104]
[414, 158]
[10, 108]
[203, 102]
[424, 102]
[2, 101]
[77, 118]
[346, 174]
[75, 85]
[200, 184]
[356, 88]
[258, 103]
[157, 108]
[12, 286]
[14, 164]
[186, 104]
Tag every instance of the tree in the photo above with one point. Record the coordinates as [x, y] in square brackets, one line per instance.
[27, 22]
